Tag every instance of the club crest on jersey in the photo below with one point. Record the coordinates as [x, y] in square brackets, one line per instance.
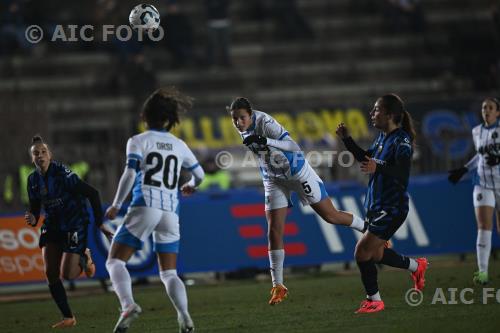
[380, 147]
[494, 135]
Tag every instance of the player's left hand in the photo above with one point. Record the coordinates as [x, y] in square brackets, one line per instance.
[258, 139]
[187, 190]
[111, 212]
[108, 233]
[369, 166]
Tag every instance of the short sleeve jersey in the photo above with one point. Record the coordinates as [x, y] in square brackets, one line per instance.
[157, 157]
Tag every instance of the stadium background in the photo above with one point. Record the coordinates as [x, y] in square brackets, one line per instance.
[311, 63]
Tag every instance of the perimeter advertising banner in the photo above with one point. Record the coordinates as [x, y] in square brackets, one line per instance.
[227, 231]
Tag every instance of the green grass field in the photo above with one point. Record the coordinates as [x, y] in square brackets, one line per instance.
[322, 302]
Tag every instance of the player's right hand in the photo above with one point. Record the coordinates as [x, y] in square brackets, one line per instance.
[111, 212]
[342, 131]
[187, 190]
[30, 219]
[455, 175]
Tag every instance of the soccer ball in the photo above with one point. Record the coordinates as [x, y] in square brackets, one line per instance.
[144, 16]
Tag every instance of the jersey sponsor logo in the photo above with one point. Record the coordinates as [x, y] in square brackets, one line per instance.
[164, 146]
[381, 162]
[491, 148]
[53, 203]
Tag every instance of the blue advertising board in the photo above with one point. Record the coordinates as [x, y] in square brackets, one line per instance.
[224, 231]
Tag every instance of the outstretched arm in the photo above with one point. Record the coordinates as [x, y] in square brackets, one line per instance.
[455, 175]
[359, 153]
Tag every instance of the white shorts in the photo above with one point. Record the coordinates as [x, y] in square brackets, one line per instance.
[140, 222]
[307, 184]
[485, 197]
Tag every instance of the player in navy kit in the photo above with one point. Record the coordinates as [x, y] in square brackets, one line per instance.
[64, 232]
[486, 194]
[387, 162]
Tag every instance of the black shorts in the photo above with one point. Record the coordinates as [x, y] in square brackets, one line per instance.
[383, 224]
[74, 241]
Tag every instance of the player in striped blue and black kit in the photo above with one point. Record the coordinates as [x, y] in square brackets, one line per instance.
[64, 232]
[387, 162]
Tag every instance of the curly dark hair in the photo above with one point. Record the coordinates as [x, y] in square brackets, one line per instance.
[162, 109]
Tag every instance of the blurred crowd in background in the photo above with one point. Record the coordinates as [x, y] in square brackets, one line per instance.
[285, 55]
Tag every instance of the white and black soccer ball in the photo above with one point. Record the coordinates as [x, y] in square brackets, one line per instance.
[144, 16]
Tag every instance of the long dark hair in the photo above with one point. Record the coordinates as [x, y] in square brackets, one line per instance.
[163, 107]
[395, 106]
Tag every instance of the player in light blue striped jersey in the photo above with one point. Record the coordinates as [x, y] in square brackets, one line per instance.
[284, 170]
[486, 195]
[154, 162]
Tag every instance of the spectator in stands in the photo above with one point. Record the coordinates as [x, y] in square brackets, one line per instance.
[289, 23]
[13, 27]
[179, 39]
[219, 27]
[140, 80]
[403, 14]
[215, 177]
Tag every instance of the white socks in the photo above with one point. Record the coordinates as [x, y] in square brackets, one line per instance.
[483, 249]
[413, 265]
[122, 283]
[177, 292]
[357, 223]
[276, 259]
[375, 297]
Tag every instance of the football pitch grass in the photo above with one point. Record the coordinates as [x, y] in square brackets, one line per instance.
[323, 302]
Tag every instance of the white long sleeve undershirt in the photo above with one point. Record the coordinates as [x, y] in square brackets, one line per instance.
[124, 186]
[287, 144]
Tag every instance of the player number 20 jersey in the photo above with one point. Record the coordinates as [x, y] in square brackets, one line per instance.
[158, 157]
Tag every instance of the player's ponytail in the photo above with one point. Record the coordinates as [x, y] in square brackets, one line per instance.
[394, 105]
[163, 108]
[407, 125]
[36, 139]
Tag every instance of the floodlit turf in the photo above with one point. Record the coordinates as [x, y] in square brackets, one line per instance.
[317, 303]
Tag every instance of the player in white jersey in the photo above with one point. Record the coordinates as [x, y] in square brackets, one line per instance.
[284, 169]
[486, 195]
[154, 161]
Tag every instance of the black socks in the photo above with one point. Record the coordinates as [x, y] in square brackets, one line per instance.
[59, 295]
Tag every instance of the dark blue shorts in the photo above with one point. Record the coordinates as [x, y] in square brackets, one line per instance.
[74, 241]
[383, 224]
